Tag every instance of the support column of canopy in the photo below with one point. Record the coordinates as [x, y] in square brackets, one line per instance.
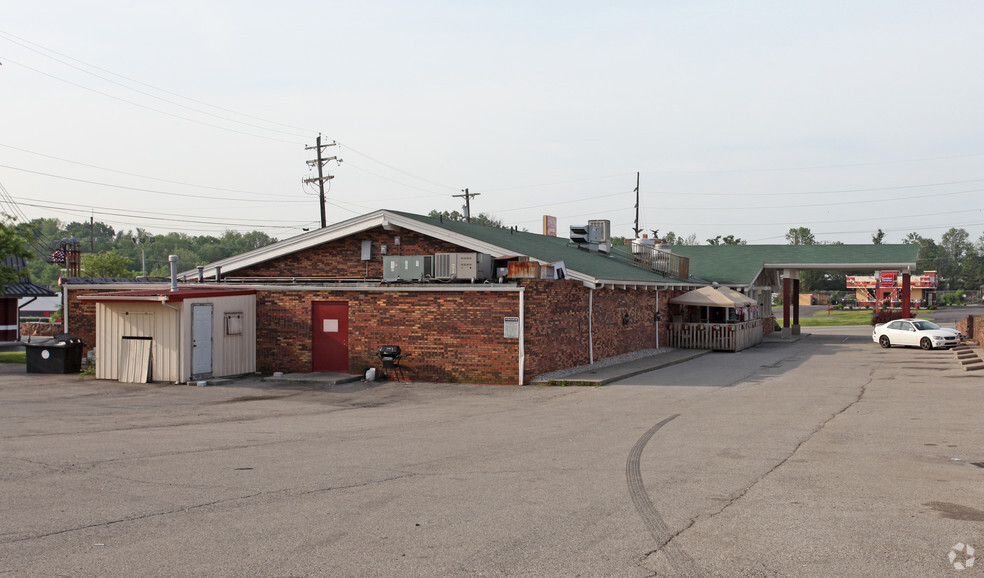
[906, 295]
[796, 305]
[790, 302]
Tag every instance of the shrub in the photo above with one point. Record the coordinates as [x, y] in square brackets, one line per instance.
[885, 317]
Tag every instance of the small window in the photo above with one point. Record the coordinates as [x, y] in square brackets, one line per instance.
[233, 323]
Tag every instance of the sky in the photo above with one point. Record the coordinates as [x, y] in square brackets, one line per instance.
[741, 118]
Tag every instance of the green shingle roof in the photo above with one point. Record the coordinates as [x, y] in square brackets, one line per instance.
[740, 264]
[546, 248]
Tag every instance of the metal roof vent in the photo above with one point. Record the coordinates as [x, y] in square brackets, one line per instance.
[595, 236]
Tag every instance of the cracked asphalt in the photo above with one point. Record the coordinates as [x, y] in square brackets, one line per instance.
[829, 456]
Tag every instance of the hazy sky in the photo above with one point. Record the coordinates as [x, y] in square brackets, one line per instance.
[744, 118]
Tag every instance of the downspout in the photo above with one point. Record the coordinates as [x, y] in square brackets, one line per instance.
[173, 260]
[590, 328]
[522, 336]
[658, 315]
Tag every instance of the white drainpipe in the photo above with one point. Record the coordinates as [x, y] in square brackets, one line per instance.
[590, 328]
[522, 335]
[657, 319]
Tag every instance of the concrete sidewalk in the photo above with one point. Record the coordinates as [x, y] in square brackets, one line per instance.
[609, 374]
[604, 375]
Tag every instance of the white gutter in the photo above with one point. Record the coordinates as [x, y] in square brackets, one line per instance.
[522, 335]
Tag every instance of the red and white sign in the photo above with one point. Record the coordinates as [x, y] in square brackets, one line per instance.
[549, 225]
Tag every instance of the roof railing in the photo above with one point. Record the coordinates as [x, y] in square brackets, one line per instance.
[660, 261]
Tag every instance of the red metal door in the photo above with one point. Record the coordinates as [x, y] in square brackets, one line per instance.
[329, 344]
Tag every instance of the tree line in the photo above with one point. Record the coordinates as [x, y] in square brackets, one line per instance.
[107, 252]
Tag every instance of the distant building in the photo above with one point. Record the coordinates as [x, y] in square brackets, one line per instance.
[886, 287]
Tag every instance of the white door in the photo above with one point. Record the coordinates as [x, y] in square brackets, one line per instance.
[201, 340]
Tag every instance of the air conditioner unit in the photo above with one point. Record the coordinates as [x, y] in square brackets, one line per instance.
[464, 266]
[595, 236]
[407, 268]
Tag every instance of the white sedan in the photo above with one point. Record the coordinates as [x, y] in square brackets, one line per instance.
[915, 332]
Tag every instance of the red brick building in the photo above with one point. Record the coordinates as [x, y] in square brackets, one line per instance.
[328, 299]
[472, 303]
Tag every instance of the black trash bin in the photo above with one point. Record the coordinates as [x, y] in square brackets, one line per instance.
[63, 354]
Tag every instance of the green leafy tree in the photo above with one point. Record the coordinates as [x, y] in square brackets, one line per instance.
[114, 264]
[454, 216]
[878, 237]
[728, 240]
[800, 236]
[12, 244]
[954, 247]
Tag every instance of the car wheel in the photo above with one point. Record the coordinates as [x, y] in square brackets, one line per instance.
[926, 343]
[884, 341]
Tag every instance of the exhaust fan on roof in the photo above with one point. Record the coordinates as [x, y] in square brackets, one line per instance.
[595, 236]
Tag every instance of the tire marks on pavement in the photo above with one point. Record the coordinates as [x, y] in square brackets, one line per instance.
[681, 563]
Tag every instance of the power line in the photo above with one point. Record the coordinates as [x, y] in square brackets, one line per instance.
[150, 108]
[834, 192]
[24, 42]
[135, 174]
[278, 201]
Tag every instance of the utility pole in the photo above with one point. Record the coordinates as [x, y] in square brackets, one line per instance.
[467, 197]
[636, 228]
[321, 162]
[92, 233]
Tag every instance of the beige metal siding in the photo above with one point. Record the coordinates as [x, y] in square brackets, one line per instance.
[231, 354]
[117, 320]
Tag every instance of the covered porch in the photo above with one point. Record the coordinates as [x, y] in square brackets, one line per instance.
[716, 318]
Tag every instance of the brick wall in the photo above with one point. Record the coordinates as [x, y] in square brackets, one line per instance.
[37, 329]
[452, 335]
[341, 258]
[82, 316]
[973, 327]
[556, 329]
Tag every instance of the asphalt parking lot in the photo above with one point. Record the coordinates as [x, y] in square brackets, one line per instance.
[828, 456]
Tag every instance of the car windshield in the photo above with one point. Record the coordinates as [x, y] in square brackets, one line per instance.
[924, 325]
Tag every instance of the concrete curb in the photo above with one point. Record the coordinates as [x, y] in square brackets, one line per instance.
[606, 375]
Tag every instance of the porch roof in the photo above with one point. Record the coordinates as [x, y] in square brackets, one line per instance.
[742, 264]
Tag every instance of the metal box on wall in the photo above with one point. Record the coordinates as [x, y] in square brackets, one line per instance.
[407, 268]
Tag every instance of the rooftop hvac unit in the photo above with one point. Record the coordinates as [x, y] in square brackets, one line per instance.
[595, 235]
[464, 266]
[407, 268]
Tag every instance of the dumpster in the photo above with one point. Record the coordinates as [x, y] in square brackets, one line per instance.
[62, 354]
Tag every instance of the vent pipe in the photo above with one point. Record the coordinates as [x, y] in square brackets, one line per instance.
[174, 271]
[218, 274]
[201, 273]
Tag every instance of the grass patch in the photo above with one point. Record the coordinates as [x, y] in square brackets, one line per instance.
[838, 317]
[13, 357]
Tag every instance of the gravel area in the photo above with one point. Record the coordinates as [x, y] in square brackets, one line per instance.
[562, 373]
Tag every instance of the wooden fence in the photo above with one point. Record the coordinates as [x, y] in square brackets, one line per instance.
[716, 336]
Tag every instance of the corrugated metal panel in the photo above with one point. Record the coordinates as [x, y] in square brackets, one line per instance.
[114, 321]
[235, 352]
[135, 359]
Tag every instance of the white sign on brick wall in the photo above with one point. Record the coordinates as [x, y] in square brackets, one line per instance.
[510, 327]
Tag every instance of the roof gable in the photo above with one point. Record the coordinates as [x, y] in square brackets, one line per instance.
[498, 242]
